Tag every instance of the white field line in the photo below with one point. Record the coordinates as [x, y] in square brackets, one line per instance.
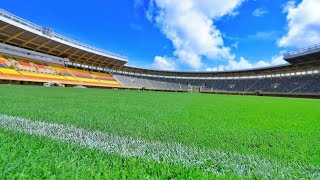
[220, 163]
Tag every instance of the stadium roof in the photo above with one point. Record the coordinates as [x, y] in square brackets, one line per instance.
[304, 55]
[248, 72]
[19, 32]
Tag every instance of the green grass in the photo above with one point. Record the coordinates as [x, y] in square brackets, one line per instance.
[279, 129]
[29, 157]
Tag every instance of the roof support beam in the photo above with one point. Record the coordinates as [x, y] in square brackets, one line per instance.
[4, 34]
[30, 40]
[91, 57]
[5, 26]
[83, 55]
[96, 60]
[64, 51]
[74, 54]
[38, 48]
[43, 44]
[14, 36]
[54, 48]
[107, 63]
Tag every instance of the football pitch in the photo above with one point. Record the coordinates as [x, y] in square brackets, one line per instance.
[96, 133]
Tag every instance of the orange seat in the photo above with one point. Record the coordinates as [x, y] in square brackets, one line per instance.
[40, 66]
[25, 64]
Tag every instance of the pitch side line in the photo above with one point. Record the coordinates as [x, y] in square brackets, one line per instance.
[220, 163]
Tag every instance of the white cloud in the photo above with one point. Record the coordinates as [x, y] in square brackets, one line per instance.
[303, 24]
[260, 12]
[219, 68]
[150, 11]
[235, 45]
[234, 13]
[241, 64]
[190, 25]
[246, 64]
[278, 60]
[162, 63]
[265, 35]
[289, 5]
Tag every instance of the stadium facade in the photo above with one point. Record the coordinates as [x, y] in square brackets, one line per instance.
[31, 54]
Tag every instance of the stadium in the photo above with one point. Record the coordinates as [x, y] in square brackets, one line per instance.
[36, 55]
[134, 123]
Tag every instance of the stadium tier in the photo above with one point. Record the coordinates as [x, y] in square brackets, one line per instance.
[296, 84]
[31, 53]
[24, 71]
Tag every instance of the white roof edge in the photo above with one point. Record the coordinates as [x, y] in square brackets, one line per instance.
[302, 51]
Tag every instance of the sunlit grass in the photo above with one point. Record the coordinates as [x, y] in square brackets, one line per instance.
[30, 157]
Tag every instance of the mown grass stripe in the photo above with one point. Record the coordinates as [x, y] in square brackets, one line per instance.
[220, 163]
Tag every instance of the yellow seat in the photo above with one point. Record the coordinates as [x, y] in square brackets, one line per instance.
[109, 82]
[46, 76]
[9, 71]
[101, 74]
[88, 80]
[70, 78]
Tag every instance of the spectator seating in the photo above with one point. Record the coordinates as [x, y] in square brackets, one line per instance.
[15, 69]
[23, 70]
[293, 84]
[105, 78]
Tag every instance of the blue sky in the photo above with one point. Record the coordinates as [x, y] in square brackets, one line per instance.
[187, 35]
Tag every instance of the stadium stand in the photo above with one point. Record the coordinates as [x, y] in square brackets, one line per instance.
[301, 84]
[15, 69]
[87, 78]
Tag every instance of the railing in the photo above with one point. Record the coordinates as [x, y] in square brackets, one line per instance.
[64, 38]
[19, 20]
[33, 26]
[302, 50]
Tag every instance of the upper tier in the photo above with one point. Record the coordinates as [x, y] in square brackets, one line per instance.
[19, 32]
